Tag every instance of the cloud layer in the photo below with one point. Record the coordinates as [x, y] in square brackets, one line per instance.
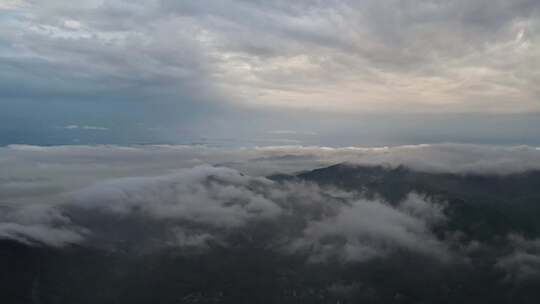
[366, 229]
[40, 173]
[205, 205]
[192, 199]
[435, 56]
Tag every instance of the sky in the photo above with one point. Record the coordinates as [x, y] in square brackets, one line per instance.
[238, 73]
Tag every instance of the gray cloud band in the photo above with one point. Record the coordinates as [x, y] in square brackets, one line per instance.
[459, 56]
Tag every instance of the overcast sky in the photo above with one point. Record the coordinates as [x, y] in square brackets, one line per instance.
[270, 72]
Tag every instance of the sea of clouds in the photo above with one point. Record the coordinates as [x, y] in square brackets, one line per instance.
[195, 197]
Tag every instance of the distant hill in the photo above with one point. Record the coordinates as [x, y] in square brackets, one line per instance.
[485, 205]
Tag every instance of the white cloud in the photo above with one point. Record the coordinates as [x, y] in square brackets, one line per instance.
[72, 24]
[10, 4]
[94, 128]
[524, 261]
[291, 132]
[42, 224]
[368, 229]
[85, 127]
[186, 239]
[219, 197]
[421, 208]
[204, 204]
[39, 235]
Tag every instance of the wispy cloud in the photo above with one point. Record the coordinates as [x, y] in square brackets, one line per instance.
[85, 127]
[291, 132]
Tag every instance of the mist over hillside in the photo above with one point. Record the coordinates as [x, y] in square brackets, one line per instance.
[183, 224]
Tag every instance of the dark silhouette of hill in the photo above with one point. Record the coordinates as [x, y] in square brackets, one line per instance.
[481, 204]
